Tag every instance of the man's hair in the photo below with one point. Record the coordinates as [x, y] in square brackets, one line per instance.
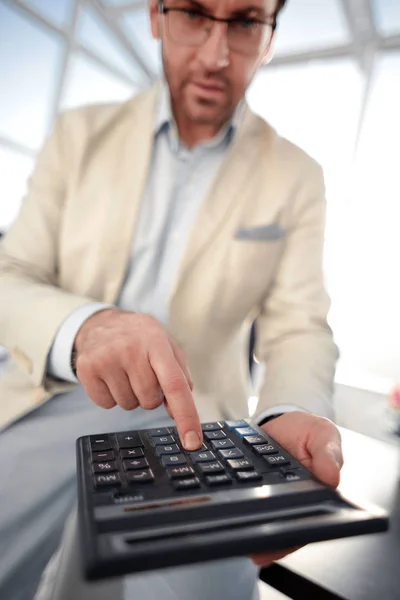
[281, 4]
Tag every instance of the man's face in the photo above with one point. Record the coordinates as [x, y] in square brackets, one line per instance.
[208, 81]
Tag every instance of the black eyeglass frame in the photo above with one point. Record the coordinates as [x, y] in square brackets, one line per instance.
[163, 10]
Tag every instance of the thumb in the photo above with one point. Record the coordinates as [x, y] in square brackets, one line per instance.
[327, 461]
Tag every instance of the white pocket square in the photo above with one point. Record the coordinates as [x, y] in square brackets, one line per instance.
[262, 233]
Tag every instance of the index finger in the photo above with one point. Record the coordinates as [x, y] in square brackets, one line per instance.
[178, 394]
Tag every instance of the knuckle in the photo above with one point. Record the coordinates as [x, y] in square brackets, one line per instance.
[151, 402]
[85, 369]
[103, 401]
[128, 405]
[176, 384]
[151, 397]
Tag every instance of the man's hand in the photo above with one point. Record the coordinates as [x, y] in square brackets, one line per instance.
[129, 359]
[315, 442]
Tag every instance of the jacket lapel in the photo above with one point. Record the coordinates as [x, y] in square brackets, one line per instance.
[235, 184]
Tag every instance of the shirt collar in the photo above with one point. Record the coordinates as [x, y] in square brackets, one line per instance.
[164, 119]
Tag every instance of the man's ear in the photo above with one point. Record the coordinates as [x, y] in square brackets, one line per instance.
[154, 19]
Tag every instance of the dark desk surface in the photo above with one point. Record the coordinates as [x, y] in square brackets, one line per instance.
[359, 568]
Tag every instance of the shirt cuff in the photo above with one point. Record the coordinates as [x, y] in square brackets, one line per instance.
[279, 409]
[59, 358]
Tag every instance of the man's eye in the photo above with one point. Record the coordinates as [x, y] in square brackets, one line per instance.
[192, 15]
[247, 24]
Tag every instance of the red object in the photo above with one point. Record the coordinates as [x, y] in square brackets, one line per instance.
[395, 398]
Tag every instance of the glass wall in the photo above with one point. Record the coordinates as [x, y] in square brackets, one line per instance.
[333, 88]
[55, 56]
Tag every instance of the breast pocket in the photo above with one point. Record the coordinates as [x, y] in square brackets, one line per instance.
[262, 233]
[249, 270]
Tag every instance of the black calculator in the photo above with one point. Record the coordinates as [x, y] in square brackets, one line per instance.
[146, 503]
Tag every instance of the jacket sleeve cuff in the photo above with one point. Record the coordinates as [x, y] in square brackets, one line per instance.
[274, 411]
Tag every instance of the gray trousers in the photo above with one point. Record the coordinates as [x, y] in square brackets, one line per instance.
[38, 494]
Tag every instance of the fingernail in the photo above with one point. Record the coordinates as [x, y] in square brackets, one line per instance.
[191, 440]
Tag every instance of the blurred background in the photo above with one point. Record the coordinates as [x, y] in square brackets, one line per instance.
[333, 88]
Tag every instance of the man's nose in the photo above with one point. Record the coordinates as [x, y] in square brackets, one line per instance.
[214, 52]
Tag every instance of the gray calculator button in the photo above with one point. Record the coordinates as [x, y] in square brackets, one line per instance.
[172, 461]
[186, 484]
[245, 476]
[211, 426]
[277, 460]
[231, 453]
[265, 449]
[212, 467]
[218, 479]
[241, 464]
[254, 439]
[202, 456]
[108, 479]
[169, 449]
[135, 463]
[180, 472]
[105, 467]
[222, 444]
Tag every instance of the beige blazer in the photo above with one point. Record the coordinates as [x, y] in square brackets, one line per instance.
[255, 251]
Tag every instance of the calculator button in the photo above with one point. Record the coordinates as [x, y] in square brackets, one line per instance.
[242, 431]
[135, 463]
[99, 443]
[179, 472]
[276, 460]
[211, 426]
[231, 453]
[214, 435]
[234, 424]
[158, 432]
[145, 476]
[171, 449]
[102, 456]
[172, 461]
[132, 453]
[218, 479]
[104, 467]
[254, 439]
[186, 484]
[129, 440]
[162, 440]
[199, 457]
[213, 467]
[107, 479]
[222, 444]
[241, 464]
[265, 449]
[290, 476]
[245, 476]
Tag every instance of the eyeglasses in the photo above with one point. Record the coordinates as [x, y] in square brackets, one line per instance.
[190, 27]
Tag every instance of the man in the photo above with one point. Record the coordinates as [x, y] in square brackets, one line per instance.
[152, 235]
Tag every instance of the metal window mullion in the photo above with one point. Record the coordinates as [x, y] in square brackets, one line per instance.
[38, 17]
[67, 50]
[17, 147]
[78, 47]
[112, 23]
[336, 52]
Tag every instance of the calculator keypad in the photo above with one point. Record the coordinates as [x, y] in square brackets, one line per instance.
[232, 454]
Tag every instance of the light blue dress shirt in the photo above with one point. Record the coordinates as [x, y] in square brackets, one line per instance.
[178, 181]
